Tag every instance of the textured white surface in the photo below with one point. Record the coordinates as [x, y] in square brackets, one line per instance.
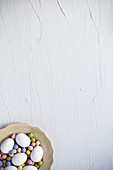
[56, 72]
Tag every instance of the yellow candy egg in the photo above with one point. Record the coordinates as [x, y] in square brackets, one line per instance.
[28, 152]
[20, 168]
[23, 165]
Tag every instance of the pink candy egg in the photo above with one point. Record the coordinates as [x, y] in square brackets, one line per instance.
[13, 136]
[1, 168]
[33, 163]
[32, 144]
[30, 162]
[30, 148]
[4, 156]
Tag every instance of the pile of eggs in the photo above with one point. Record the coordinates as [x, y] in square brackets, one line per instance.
[21, 152]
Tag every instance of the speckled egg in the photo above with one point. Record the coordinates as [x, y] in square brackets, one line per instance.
[37, 154]
[7, 145]
[23, 140]
[19, 159]
[29, 167]
[10, 168]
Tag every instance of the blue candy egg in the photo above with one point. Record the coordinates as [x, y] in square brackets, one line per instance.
[23, 150]
[8, 163]
[12, 152]
[15, 146]
[1, 163]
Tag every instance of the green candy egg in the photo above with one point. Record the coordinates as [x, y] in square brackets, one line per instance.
[37, 166]
[30, 135]
[4, 161]
[40, 163]
[8, 158]
[33, 139]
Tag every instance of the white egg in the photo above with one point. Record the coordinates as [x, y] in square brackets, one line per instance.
[19, 159]
[7, 145]
[29, 167]
[23, 140]
[11, 168]
[37, 154]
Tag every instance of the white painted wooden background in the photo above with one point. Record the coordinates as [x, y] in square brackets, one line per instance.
[56, 72]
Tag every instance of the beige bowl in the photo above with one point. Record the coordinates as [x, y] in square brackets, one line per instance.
[38, 134]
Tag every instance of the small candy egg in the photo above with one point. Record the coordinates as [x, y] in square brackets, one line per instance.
[4, 161]
[1, 168]
[20, 168]
[15, 146]
[30, 148]
[23, 165]
[15, 150]
[37, 166]
[0, 155]
[4, 156]
[33, 144]
[30, 135]
[13, 136]
[40, 163]
[29, 162]
[12, 152]
[38, 143]
[33, 139]
[8, 163]
[33, 163]
[28, 152]
[11, 155]
[23, 150]
[8, 158]
[19, 150]
[1, 163]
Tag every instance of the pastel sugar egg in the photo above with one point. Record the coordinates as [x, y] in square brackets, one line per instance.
[30, 148]
[13, 136]
[29, 162]
[15, 146]
[23, 140]
[37, 143]
[37, 154]
[19, 150]
[19, 159]
[7, 145]
[10, 168]
[33, 144]
[4, 156]
[23, 150]
[8, 163]
[29, 167]
[1, 168]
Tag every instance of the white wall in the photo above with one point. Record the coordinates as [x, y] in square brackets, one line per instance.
[56, 72]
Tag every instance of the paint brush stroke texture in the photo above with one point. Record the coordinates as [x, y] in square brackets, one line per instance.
[56, 67]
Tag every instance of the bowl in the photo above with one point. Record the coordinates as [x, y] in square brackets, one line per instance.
[38, 134]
